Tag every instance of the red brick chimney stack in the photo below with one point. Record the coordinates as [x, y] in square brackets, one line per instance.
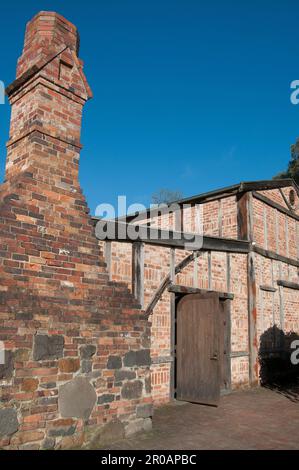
[47, 100]
[67, 329]
[44, 33]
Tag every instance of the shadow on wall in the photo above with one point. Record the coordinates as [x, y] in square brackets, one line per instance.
[277, 371]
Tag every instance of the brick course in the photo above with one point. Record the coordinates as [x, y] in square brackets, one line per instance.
[80, 353]
[54, 281]
[269, 233]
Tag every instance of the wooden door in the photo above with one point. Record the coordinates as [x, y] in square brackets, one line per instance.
[198, 369]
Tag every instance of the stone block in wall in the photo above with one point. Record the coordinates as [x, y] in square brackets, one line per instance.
[8, 422]
[137, 358]
[86, 366]
[132, 390]
[61, 432]
[47, 347]
[121, 375]
[87, 351]
[76, 399]
[105, 398]
[114, 362]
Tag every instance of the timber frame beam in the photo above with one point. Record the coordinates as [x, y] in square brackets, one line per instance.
[168, 280]
[178, 289]
[275, 205]
[275, 256]
[112, 230]
[245, 232]
[178, 240]
[287, 284]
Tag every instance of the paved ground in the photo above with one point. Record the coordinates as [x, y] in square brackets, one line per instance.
[254, 419]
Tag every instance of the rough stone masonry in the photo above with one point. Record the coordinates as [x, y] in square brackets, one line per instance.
[76, 345]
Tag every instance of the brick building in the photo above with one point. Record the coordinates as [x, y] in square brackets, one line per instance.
[97, 331]
[248, 259]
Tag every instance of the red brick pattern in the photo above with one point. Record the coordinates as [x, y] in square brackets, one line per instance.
[54, 280]
[63, 318]
[273, 231]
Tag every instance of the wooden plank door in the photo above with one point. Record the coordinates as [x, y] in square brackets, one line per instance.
[198, 349]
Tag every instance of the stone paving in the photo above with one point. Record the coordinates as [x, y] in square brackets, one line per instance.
[252, 419]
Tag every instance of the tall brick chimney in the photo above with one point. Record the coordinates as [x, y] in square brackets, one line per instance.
[67, 329]
[47, 99]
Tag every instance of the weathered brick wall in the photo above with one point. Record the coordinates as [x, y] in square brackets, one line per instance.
[268, 273]
[277, 311]
[80, 353]
[157, 267]
[217, 218]
[239, 321]
[291, 309]
[274, 230]
[277, 196]
[76, 345]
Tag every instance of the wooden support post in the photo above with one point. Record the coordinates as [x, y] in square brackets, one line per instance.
[172, 325]
[245, 232]
[287, 236]
[252, 320]
[281, 307]
[195, 272]
[179, 220]
[261, 295]
[138, 272]
[265, 222]
[220, 218]
[228, 272]
[281, 301]
[209, 270]
[172, 345]
[250, 217]
[108, 257]
[286, 200]
[276, 232]
[273, 292]
[276, 206]
[172, 265]
[245, 216]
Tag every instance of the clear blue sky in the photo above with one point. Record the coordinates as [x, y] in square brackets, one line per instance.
[188, 94]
